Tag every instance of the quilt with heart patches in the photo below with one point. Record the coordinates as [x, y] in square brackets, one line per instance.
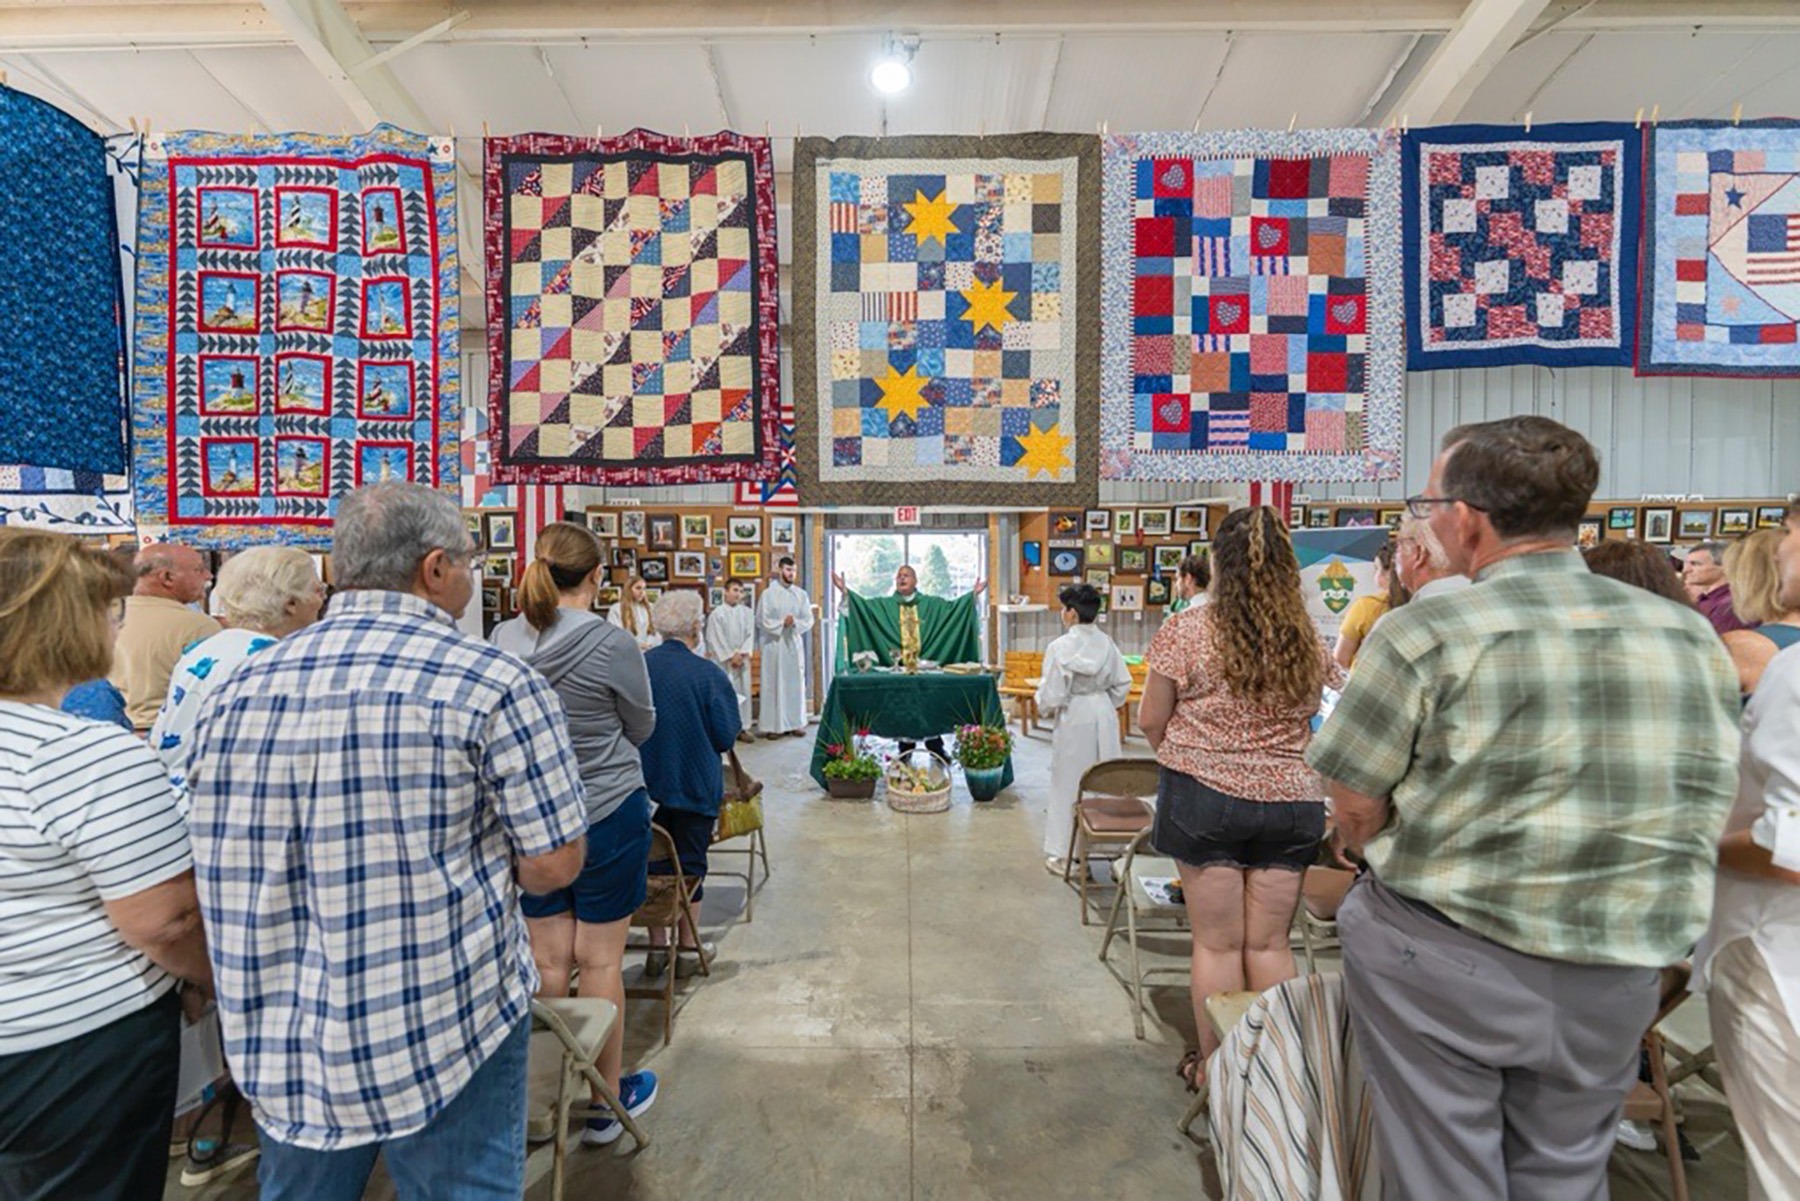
[1252, 306]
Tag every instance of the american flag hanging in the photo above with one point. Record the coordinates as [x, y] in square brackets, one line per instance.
[539, 505]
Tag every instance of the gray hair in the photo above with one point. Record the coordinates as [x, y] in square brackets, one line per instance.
[1417, 529]
[676, 614]
[383, 531]
[1715, 549]
[255, 586]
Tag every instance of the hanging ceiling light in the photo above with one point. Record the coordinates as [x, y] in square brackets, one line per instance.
[892, 72]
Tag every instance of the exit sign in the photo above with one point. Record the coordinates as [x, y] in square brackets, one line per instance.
[906, 515]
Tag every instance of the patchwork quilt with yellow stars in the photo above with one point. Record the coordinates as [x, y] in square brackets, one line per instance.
[946, 319]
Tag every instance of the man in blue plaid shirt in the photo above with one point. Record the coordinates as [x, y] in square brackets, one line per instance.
[369, 796]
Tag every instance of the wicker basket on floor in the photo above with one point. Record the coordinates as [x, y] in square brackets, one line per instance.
[918, 782]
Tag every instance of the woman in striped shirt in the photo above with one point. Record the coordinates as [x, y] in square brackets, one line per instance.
[98, 917]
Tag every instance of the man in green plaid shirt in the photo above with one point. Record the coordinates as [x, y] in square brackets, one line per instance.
[1537, 770]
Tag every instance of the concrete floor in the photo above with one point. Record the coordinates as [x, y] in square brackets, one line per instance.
[915, 1012]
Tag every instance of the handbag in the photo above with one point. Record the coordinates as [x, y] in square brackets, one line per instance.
[741, 812]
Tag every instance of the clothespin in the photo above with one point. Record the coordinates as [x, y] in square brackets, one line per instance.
[766, 137]
[1293, 119]
[484, 131]
[3, 77]
[1105, 128]
[1405, 122]
[1196, 124]
[453, 133]
[684, 130]
[1638, 121]
[1654, 110]
[1527, 120]
[1737, 112]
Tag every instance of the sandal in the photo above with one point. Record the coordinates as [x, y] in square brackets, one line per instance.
[1192, 1070]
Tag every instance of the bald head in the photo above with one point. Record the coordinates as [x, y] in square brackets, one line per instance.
[906, 581]
[177, 573]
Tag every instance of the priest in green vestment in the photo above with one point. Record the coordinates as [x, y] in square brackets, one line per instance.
[915, 625]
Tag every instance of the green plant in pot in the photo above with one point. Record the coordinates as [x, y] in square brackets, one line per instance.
[850, 771]
[983, 751]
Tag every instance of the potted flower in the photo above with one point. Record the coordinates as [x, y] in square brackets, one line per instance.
[983, 750]
[850, 771]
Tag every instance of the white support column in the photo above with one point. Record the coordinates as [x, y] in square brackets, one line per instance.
[1482, 37]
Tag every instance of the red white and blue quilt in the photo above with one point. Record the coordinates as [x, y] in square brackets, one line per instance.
[1721, 290]
[296, 330]
[1251, 310]
[1521, 247]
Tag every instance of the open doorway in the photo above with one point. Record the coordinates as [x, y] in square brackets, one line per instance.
[948, 562]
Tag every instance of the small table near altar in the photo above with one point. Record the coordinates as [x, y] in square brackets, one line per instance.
[910, 705]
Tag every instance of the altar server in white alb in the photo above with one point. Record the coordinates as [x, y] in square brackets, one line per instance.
[783, 618]
[730, 641]
[1085, 681]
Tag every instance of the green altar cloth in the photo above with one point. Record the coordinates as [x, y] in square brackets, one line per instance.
[949, 631]
[897, 705]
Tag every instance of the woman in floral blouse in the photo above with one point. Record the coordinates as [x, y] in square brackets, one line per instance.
[1228, 704]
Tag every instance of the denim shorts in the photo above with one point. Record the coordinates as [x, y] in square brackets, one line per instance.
[612, 883]
[1203, 827]
[692, 835]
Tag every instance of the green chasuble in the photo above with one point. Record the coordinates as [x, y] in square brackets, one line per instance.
[944, 631]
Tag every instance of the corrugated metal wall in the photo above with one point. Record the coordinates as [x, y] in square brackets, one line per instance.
[1712, 437]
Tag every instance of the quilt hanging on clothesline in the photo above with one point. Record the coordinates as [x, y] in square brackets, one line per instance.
[1721, 290]
[945, 319]
[632, 295]
[86, 502]
[296, 330]
[1252, 308]
[784, 490]
[1521, 247]
[60, 302]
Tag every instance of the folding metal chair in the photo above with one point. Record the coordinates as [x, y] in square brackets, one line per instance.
[567, 1036]
[1110, 809]
[1134, 898]
[668, 905]
[741, 786]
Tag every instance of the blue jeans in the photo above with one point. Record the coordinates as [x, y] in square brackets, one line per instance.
[472, 1150]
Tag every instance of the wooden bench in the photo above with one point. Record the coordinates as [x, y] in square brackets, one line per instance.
[1019, 681]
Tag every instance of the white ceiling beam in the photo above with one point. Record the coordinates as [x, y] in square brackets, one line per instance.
[79, 24]
[415, 41]
[334, 44]
[1461, 62]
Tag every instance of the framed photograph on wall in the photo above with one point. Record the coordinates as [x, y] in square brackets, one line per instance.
[1733, 522]
[1128, 598]
[1168, 559]
[1153, 523]
[490, 598]
[1191, 520]
[625, 557]
[498, 567]
[1133, 560]
[631, 525]
[503, 531]
[1031, 553]
[784, 531]
[1124, 522]
[746, 564]
[690, 564]
[1392, 518]
[660, 531]
[1696, 525]
[1659, 525]
[695, 527]
[1065, 561]
[653, 569]
[1770, 517]
[1099, 521]
[745, 531]
[1296, 517]
[1100, 578]
[1621, 517]
[1198, 548]
[1353, 518]
[1589, 531]
[1100, 554]
[1156, 591]
[472, 519]
[604, 524]
[607, 596]
[715, 597]
[1065, 523]
[1318, 519]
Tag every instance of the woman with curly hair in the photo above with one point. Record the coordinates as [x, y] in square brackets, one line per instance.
[1228, 704]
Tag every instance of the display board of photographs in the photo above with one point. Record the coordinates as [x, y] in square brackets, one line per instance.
[1676, 523]
[1139, 548]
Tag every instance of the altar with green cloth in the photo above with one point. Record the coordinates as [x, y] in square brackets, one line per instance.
[916, 706]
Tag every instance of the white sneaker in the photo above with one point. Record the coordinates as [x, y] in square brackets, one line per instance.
[1056, 865]
[1635, 1135]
